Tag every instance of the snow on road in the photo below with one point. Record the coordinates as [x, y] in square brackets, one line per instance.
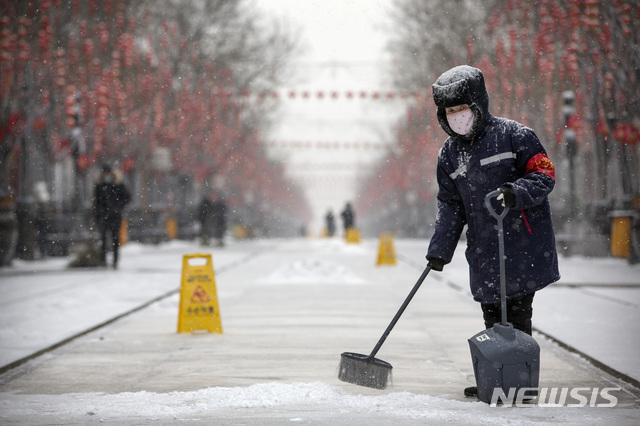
[43, 302]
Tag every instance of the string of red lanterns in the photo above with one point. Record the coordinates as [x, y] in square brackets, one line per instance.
[376, 95]
[329, 167]
[325, 145]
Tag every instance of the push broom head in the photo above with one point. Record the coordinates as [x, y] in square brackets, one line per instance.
[364, 370]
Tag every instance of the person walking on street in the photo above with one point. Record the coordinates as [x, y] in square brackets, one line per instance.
[213, 218]
[205, 219]
[348, 217]
[111, 196]
[219, 218]
[484, 153]
[330, 223]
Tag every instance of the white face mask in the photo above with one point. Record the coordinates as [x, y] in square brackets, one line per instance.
[461, 122]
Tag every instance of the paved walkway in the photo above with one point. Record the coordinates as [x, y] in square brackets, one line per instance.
[284, 327]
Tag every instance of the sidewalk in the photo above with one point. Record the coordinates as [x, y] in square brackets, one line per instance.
[43, 302]
[287, 315]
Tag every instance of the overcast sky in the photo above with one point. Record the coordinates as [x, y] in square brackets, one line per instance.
[344, 50]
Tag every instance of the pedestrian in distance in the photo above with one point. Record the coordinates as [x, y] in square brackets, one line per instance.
[205, 218]
[219, 218]
[484, 153]
[348, 217]
[111, 196]
[212, 213]
[330, 223]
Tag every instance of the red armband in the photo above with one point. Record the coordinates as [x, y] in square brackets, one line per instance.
[542, 164]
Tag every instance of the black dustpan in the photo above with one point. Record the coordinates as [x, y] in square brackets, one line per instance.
[504, 358]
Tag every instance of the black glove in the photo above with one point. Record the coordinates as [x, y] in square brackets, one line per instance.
[508, 197]
[436, 263]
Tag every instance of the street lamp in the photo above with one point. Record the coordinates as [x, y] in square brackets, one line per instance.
[79, 150]
[412, 217]
[571, 146]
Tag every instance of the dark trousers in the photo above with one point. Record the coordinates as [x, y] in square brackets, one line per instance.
[113, 232]
[519, 313]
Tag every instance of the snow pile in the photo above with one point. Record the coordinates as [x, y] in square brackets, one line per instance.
[308, 399]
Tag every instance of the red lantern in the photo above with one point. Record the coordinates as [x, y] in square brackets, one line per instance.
[128, 164]
[574, 122]
[602, 128]
[39, 123]
[82, 163]
[626, 133]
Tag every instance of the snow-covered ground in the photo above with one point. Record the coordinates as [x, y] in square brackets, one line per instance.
[318, 292]
[44, 302]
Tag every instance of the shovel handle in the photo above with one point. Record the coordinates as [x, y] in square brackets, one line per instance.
[503, 280]
[400, 311]
[494, 213]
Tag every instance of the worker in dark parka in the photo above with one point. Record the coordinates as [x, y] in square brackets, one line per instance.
[484, 153]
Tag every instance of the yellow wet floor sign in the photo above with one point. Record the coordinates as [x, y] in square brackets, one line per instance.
[199, 309]
[353, 235]
[386, 251]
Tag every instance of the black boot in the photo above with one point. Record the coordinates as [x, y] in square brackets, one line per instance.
[471, 391]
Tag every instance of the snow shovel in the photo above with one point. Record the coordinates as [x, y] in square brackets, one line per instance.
[503, 358]
[367, 370]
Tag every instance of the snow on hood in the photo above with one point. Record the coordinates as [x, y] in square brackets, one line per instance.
[462, 85]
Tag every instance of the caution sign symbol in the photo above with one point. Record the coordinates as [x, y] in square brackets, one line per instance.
[200, 295]
[199, 309]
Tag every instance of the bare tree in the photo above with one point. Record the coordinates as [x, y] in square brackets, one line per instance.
[249, 54]
[429, 37]
[229, 33]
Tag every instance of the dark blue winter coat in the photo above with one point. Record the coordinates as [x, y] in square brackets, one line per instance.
[504, 152]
